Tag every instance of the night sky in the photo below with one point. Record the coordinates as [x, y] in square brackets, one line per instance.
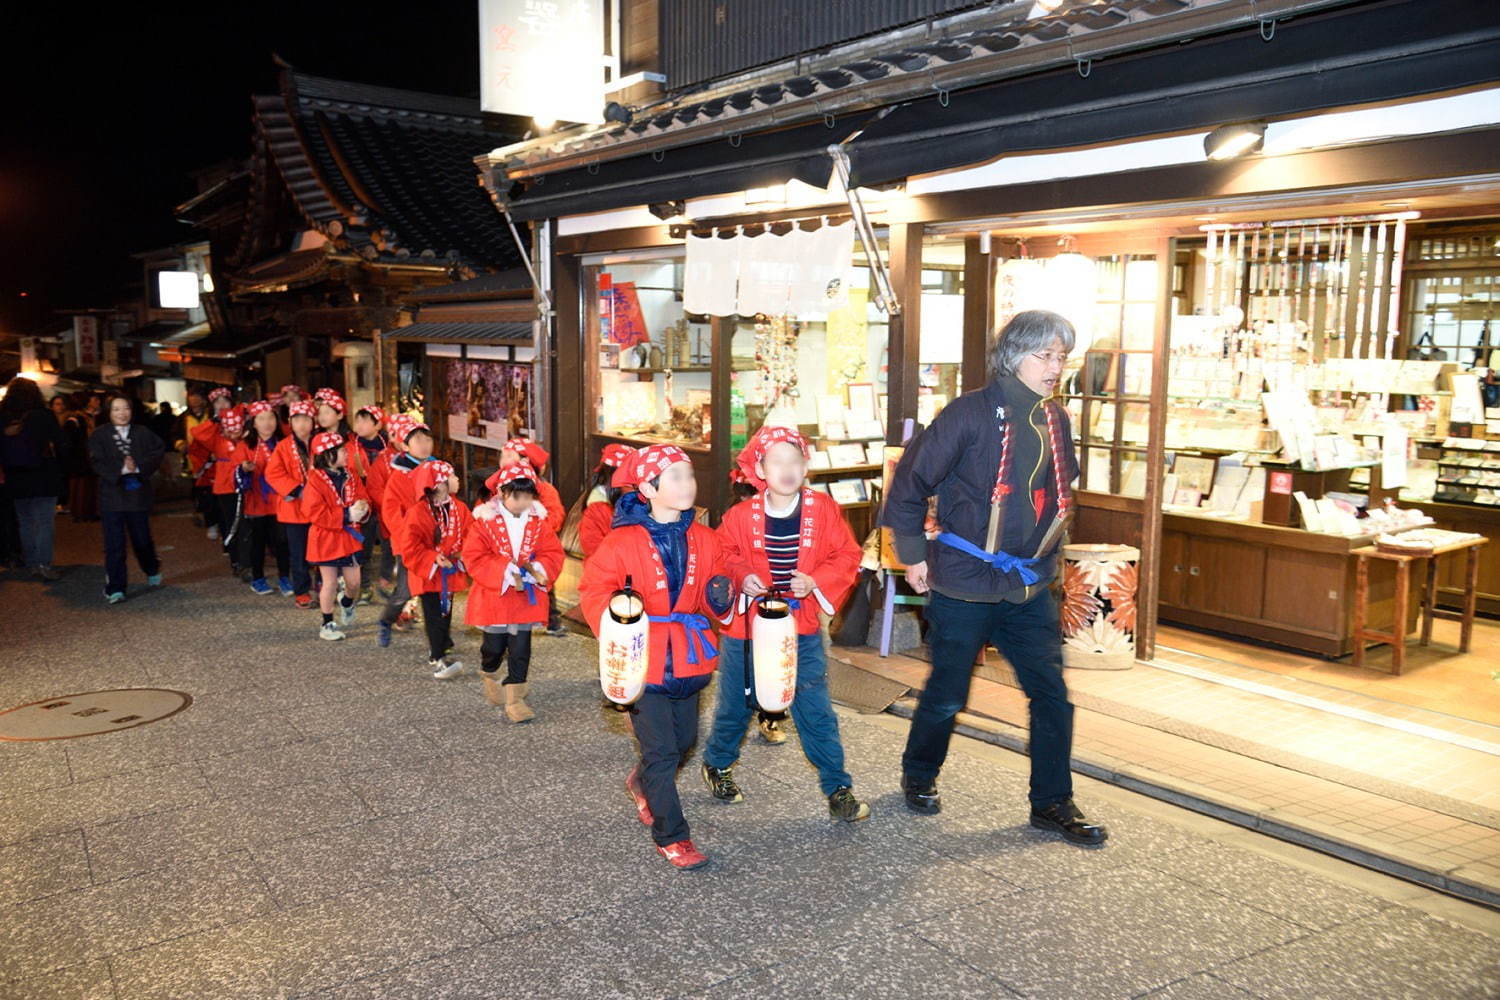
[107, 114]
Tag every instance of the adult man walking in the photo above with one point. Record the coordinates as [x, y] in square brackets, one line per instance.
[1000, 461]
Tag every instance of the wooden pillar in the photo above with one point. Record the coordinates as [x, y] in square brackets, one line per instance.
[1148, 586]
[561, 356]
[904, 344]
[721, 335]
[979, 312]
[299, 360]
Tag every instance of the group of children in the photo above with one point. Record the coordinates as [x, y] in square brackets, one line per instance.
[780, 538]
[292, 478]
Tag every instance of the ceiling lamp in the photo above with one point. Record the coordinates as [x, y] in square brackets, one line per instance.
[1228, 141]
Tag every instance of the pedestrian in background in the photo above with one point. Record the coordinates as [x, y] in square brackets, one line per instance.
[32, 449]
[124, 456]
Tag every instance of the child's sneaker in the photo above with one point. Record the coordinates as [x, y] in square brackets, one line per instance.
[305, 601]
[403, 622]
[443, 670]
[346, 614]
[154, 580]
[366, 596]
[261, 587]
[213, 533]
[285, 586]
[331, 632]
[771, 731]
[842, 805]
[384, 634]
[721, 784]
[683, 855]
[638, 796]
[114, 598]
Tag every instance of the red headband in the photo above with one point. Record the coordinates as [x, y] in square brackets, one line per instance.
[429, 474]
[302, 408]
[534, 454]
[615, 455]
[375, 412]
[509, 474]
[761, 443]
[260, 406]
[219, 393]
[293, 388]
[331, 399]
[327, 441]
[646, 464]
[232, 420]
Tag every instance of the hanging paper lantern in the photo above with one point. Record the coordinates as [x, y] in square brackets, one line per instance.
[624, 646]
[773, 641]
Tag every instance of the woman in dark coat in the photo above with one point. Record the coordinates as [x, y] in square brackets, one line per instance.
[32, 449]
[125, 456]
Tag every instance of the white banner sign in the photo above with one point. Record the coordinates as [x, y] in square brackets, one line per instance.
[86, 336]
[542, 59]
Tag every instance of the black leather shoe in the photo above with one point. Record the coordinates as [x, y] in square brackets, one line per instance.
[1065, 818]
[921, 796]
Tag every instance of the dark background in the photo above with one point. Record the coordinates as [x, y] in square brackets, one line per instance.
[107, 111]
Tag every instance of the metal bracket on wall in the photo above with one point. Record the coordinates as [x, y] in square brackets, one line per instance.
[544, 296]
[885, 292]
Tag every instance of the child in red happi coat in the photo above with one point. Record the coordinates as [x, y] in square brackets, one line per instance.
[336, 504]
[287, 472]
[431, 545]
[518, 450]
[599, 513]
[222, 440]
[793, 541]
[674, 563]
[513, 554]
[367, 460]
[261, 530]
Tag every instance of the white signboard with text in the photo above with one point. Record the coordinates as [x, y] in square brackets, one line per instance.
[542, 59]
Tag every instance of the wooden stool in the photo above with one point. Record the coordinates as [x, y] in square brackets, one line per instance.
[1430, 610]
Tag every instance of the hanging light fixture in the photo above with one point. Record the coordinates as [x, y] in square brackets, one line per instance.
[1239, 139]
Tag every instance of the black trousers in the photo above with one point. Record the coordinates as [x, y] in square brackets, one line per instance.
[118, 524]
[226, 503]
[554, 617]
[494, 648]
[259, 534]
[437, 625]
[667, 730]
[296, 547]
[205, 503]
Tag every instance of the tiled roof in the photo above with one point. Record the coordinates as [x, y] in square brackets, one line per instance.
[500, 285]
[898, 66]
[387, 174]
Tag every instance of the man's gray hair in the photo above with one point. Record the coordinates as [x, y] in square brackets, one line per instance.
[1027, 333]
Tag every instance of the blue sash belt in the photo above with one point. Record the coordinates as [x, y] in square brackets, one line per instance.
[1003, 561]
[698, 630]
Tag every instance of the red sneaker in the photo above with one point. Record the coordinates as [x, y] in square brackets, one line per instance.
[304, 600]
[402, 622]
[683, 855]
[638, 796]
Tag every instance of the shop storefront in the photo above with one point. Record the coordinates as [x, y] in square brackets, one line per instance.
[1249, 327]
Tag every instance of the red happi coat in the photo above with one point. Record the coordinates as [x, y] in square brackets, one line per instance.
[210, 442]
[261, 499]
[396, 499]
[827, 552]
[552, 500]
[629, 551]
[286, 471]
[597, 519]
[377, 478]
[419, 545]
[488, 556]
[362, 465]
[324, 506]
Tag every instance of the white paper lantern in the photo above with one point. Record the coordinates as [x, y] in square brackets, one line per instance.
[773, 639]
[624, 646]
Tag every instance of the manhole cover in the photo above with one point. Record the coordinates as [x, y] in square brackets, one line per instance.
[92, 713]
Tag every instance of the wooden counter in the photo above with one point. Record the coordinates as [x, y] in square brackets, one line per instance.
[1262, 582]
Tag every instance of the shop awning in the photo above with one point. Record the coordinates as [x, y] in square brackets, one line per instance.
[463, 333]
[1338, 58]
[230, 345]
[725, 165]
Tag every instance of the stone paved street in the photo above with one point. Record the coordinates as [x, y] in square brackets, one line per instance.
[327, 820]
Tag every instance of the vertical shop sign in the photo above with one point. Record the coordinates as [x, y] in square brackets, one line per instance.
[542, 59]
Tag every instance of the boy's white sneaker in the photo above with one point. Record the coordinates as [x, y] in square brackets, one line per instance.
[331, 632]
[443, 670]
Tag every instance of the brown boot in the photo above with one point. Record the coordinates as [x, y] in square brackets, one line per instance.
[492, 688]
[516, 709]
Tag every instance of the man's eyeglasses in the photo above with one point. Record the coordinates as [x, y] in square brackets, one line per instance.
[1048, 358]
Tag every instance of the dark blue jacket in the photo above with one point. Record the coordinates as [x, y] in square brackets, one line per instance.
[956, 460]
